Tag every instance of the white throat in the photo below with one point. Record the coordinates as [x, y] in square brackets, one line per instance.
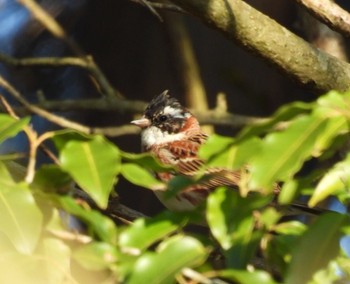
[153, 135]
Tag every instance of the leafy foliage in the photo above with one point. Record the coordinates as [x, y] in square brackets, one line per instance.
[42, 241]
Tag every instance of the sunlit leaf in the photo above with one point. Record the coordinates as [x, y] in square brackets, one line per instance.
[94, 165]
[140, 176]
[96, 256]
[63, 136]
[171, 256]
[283, 114]
[216, 144]
[231, 221]
[50, 263]
[335, 126]
[20, 217]
[335, 104]
[290, 228]
[144, 232]
[146, 161]
[221, 151]
[283, 153]
[336, 179]
[316, 248]
[10, 126]
[246, 277]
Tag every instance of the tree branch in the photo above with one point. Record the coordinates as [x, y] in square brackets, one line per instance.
[258, 33]
[329, 13]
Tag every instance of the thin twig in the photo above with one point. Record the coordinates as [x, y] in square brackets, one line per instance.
[50, 24]
[56, 30]
[32, 137]
[329, 13]
[63, 122]
[168, 6]
[161, 6]
[41, 112]
[112, 103]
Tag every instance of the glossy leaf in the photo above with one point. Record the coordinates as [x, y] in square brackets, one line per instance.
[144, 232]
[10, 126]
[335, 126]
[20, 217]
[215, 144]
[101, 225]
[171, 256]
[335, 104]
[316, 248]
[246, 277]
[49, 264]
[96, 256]
[336, 179]
[283, 153]
[288, 192]
[223, 152]
[146, 161]
[231, 221]
[290, 228]
[63, 136]
[283, 114]
[140, 176]
[94, 165]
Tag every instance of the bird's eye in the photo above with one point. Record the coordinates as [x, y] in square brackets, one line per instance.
[163, 118]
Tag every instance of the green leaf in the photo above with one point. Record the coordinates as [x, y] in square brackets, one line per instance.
[335, 126]
[146, 161]
[50, 263]
[288, 192]
[51, 178]
[334, 104]
[316, 248]
[20, 217]
[216, 144]
[231, 221]
[16, 170]
[221, 151]
[63, 136]
[290, 228]
[336, 179]
[101, 225]
[96, 256]
[283, 114]
[94, 165]
[246, 277]
[140, 176]
[229, 215]
[10, 126]
[144, 232]
[171, 256]
[283, 153]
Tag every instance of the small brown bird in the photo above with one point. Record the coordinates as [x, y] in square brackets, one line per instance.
[173, 135]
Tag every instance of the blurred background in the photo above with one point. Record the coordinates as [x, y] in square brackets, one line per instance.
[141, 56]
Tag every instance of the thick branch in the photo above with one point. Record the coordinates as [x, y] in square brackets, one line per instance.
[329, 13]
[255, 31]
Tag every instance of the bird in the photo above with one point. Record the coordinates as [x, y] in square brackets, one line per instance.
[172, 134]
